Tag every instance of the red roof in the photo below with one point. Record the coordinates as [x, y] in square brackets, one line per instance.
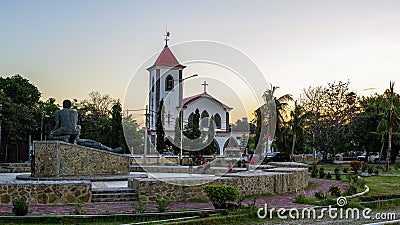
[187, 100]
[166, 58]
[191, 98]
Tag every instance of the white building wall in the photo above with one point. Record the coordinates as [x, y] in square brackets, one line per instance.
[171, 98]
[210, 106]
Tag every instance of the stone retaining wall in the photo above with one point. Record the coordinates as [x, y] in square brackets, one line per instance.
[57, 159]
[178, 169]
[247, 183]
[46, 192]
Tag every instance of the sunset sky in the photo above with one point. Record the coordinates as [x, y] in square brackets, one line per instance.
[70, 48]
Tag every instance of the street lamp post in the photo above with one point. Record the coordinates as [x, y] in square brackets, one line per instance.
[181, 117]
[145, 137]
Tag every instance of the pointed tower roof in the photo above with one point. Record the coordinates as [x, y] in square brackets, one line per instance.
[167, 58]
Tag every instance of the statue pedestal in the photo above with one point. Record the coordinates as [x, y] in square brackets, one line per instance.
[61, 159]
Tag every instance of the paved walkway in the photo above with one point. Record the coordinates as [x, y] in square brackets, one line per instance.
[278, 201]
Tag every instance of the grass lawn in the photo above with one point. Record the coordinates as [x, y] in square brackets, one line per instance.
[382, 187]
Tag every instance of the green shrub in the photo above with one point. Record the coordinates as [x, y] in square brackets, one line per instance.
[220, 194]
[321, 173]
[78, 208]
[354, 178]
[345, 170]
[328, 176]
[20, 207]
[351, 189]
[162, 204]
[337, 170]
[376, 170]
[364, 168]
[360, 183]
[370, 170]
[334, 191]
[320, 195]
[314, 172]
[356, 165]
[301, 198]
[139, 206]
[337, 175]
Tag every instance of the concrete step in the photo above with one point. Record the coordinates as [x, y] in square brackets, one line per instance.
[14, 165]
[113, 190]
[114, 199]
[114, 195]
[7, 169]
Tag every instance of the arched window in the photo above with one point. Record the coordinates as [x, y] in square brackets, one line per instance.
[217, 120]
[169, 83]
[204, 114]
[204, 118]
[190, 118]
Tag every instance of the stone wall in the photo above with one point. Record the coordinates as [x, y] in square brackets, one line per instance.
[247, 183]
[46, 192]
[178, 169]
[55, 158]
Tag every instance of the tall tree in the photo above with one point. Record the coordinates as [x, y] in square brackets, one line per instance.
[160, 145]
[390, 106]
[192, 130]
[117, 132]
[297, 122]
[133, 135]
[20, 90]
[210, 148]
[20, 113]
[281, 104]
[177, 137]
[95, 117]
[257, 121]
[334, 108]
[365, 135]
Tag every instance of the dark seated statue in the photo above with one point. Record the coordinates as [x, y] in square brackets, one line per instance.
[68, 130]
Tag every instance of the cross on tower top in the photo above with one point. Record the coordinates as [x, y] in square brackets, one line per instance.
[205, 86]
[166, 35]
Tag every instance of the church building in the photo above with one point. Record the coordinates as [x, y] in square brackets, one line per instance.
[166, 82]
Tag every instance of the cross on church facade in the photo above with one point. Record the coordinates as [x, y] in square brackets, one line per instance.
[166, 35]
[205, 86]
[169, 118]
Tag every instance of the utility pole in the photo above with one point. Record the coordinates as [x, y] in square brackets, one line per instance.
[145, 136]
[1, 116]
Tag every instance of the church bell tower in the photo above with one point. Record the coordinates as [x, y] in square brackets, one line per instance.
[165, 83]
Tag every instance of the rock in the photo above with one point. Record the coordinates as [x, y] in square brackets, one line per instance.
[365, 174]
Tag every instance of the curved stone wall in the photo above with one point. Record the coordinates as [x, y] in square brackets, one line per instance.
[247, 183]
[46, 192]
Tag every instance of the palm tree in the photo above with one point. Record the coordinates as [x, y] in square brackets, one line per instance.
[281, 104]
[297, 122]
[390, 105]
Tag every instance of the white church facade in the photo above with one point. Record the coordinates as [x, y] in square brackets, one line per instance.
[166, 81]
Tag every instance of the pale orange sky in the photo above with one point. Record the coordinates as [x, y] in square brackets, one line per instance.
[70, 48]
